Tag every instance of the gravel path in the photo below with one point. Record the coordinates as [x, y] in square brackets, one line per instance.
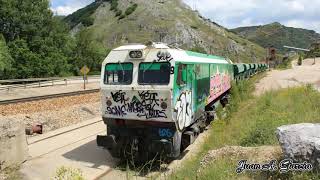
[298, 75]
[54, 113]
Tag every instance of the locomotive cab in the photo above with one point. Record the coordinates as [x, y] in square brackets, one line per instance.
[137, 83]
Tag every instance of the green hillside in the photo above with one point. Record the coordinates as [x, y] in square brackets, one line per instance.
[278, 35]
[117, 22]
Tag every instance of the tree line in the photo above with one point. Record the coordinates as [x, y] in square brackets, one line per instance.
[35, 43]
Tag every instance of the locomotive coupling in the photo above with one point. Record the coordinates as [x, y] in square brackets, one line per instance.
[106, 141]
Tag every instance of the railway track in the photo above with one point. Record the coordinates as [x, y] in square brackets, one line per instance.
[51, 96]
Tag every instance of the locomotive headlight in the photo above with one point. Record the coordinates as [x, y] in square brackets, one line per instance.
[109, 103]
[135, 54]
[139, 54]
[164, 105]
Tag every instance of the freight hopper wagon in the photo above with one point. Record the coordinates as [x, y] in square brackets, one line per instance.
[156, 100]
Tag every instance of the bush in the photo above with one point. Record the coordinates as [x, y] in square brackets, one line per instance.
[194, 27]
[88, 21]
[300, 61]
[118, 13]
[131, 9]
[114, 5]
[65, 173]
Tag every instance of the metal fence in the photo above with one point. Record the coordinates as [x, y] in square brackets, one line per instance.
[7, 85]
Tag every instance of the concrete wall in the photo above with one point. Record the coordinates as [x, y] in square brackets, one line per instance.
[13, 143]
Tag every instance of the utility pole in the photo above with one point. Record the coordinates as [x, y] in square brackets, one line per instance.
[195, 5]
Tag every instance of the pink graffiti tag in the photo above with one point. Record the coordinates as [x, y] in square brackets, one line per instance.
[219, 84]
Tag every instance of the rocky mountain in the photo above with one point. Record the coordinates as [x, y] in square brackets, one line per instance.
[118, 22]
[278, 35]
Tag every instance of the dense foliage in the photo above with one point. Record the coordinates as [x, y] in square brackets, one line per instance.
[34, 43]
[5, 58]
[88, 52]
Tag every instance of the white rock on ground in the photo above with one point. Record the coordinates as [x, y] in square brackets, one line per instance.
[13, 143]
[301, 142]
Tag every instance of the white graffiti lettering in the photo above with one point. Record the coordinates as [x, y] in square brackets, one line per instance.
[183, 110]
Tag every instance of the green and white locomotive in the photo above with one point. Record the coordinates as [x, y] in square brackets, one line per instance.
[157, 100]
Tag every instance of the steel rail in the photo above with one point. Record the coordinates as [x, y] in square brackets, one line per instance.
[51, 96]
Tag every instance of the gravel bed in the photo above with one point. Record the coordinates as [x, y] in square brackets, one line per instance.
[54, 113]
[49, 104]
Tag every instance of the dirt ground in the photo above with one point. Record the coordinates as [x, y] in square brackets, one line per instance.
[298, 75]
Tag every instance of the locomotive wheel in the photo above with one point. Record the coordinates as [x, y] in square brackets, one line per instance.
[225, 101]
[185, 142]
[132, 150]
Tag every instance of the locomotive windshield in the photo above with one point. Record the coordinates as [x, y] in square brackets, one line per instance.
[118, 74]
[154, 73]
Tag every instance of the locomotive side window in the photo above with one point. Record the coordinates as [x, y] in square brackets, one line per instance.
[154, 73]
[182, 75]
[118, 73]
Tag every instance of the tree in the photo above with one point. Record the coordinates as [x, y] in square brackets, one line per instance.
[88, 52]
[24, 19]
[38, 42]
[5, 59]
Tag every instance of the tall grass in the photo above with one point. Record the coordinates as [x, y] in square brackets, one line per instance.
[252, 121]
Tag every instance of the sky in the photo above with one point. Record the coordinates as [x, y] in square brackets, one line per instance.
[236, 13]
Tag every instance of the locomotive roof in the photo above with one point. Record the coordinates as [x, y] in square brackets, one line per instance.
[189, 56]
[141, 47]
[179, 55]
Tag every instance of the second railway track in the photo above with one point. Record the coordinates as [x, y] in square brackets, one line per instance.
[51, 96]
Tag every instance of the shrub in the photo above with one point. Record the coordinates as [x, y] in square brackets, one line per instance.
[88, 21]
[118, 13]
[114, 5]
[68, 173]
[300, 61]
[131, 9]
[194, 27]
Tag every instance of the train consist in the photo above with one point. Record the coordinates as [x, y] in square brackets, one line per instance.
[157, 100]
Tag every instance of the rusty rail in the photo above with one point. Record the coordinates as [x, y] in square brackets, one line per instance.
[51, 96]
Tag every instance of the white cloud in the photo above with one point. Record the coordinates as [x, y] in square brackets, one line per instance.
[64, 10]
[235, 13]
[66, 7]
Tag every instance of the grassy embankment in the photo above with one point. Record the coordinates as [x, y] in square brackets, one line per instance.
[252, 121]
